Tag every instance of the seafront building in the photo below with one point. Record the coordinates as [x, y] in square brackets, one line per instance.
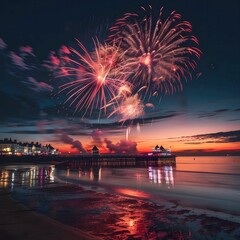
[12, 147]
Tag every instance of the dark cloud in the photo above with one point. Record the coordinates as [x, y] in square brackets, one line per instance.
[166, 115]
[18, 61]
[3, 45]
[117, 126]
[23, 95]
[219, 137]
[122, 147]
[195, 152]
[26, 50]
[222, 137]
[20, 124]
[208, 152]
[221, 110]
[51, 126]
[97, 138]
[75, 144]
[23, 132]
[195, 143]
[235, 119]
[38, 86]
[212, 114]
[48, 131]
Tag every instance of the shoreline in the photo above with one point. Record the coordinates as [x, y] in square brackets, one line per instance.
[116, 216]
[80, 209]
[22, 223]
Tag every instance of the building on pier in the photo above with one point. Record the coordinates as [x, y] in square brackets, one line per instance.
[95, 151]
[161, 151]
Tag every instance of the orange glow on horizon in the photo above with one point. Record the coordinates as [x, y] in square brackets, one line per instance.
[177, 137]
[176, 147]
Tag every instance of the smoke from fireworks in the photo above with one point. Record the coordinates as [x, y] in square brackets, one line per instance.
[158, 53]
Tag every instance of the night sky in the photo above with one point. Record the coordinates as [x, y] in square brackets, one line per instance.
[203, 118]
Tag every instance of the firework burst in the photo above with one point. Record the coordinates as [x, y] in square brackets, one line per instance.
[129, 108]
[158, 53]
[94, 78]
[143, 56]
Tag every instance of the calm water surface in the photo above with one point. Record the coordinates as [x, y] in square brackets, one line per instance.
[211, 182]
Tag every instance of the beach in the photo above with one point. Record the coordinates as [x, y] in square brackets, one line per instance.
[151, 202]
[20, 222]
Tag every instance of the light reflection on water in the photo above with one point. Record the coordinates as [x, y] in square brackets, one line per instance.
[186, 172]
[217, 189]
[150, 180]
[130, 174]
[30, 176]
[161, 175]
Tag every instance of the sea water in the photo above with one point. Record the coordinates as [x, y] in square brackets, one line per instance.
[208, 182]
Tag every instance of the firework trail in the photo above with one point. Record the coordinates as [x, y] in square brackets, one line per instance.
[128, 129]
[96, 77]
[158, 53]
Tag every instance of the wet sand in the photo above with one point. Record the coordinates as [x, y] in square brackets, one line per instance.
[110, 216]
[22, 223]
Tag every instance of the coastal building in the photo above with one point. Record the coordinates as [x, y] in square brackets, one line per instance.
[95, 151]
[10, 147]
[26, 149]
[6, 146]
[48, 149]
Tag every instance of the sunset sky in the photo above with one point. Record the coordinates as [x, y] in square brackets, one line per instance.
[202, 118]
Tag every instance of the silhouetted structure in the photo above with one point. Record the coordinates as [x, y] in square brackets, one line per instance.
[95, 151]
[161, 151]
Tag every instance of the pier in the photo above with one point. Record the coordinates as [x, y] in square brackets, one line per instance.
[92, 159]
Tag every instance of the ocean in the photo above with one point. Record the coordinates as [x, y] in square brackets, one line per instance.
[198, 198]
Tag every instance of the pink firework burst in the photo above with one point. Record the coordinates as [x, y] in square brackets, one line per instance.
[94, 77]
[158, 53]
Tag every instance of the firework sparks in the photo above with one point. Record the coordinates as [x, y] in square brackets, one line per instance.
[130, 108]
[128, 130]
[144, 56]
[95, 77]
[158, 54]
